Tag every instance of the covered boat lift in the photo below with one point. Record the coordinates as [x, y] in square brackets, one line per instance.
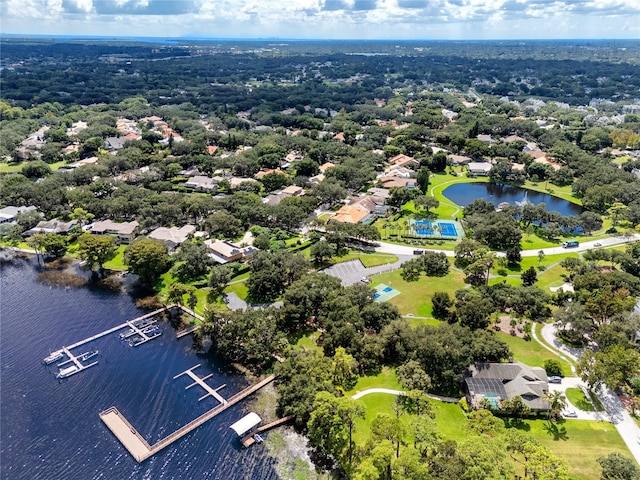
[246, 423]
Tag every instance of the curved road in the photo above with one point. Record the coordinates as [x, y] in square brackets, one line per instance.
[615, 410]
[400, 392]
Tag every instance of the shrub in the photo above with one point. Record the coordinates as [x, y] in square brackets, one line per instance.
[553, 368]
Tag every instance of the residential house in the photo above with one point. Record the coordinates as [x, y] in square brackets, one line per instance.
[497, 382]
[277, 196]
[51, 226]
[317, 179]
[223, 251]
[267, 171]
[124, 231]
[459, 159]
[389, 182]
[212, 149]
[403, 160]
[513, 138]
[326, 166]
[479, 168]
[401, 172]
[361, 210]
[201, 183]
[172, 237]
[8, 214]
[380, 192]
[235, 182]
[486, 139]
[115, 143]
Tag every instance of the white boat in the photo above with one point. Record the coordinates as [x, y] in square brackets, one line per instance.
[54, 357]
[67, 371]
[88, 355]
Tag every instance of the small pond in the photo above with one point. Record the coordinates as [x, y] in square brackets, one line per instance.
[465, 193]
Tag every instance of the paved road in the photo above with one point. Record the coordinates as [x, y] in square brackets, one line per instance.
[351, 272]
[617, 414]
[584, 246]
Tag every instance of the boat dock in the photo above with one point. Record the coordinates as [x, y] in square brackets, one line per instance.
[250, 439]
[201, 381]
[138, 446]
[192, 328]
[140, 327]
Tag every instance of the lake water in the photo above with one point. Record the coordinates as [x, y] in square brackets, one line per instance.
[465, 193]
[50, 429]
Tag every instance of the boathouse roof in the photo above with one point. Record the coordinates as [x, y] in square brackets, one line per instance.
[246, 423]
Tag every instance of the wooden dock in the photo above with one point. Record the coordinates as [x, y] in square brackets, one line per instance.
[192, 328]
[211, 392]
[249, 439]
[138, 446]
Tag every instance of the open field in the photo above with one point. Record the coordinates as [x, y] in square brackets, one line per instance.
[415, 297]
[368, 259]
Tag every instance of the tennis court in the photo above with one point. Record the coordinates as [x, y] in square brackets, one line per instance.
[438, 229]
[384, 293]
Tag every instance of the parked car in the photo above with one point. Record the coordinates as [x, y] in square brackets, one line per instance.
[570, 414]
[555, 379]
[597, 244]
[365, 280]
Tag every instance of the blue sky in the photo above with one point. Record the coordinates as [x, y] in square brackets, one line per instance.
[329, 19]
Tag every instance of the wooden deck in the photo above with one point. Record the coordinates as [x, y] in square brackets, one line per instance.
[249, 439]
[137, 445]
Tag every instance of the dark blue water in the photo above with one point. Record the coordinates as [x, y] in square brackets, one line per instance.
[50, 429]
[465, 193]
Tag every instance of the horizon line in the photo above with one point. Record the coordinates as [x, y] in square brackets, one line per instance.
[313, 39]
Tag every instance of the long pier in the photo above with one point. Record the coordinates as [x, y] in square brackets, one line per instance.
[138, 446]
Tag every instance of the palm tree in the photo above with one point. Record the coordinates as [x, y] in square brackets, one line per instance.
[557, 403]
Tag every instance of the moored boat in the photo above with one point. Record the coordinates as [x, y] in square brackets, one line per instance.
[53, 357]
[67, 371]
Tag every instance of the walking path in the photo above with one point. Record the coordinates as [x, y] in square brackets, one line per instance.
[400, 392]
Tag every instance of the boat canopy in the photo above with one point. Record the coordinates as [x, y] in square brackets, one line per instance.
[246, 423]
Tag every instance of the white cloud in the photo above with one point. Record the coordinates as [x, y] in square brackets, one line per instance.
[327, 18]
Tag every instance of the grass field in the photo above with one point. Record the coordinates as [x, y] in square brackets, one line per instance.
[580, 442]
[578, 399]
[415, 297]
[531, 352]
[117, 263]
[17, 167]
[368, 259]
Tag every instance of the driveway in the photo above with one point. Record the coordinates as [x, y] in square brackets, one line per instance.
[614, 409]
[351, 272]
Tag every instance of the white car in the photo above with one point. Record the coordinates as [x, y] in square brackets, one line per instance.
[569, 414]
[597, 244]
[365, 280]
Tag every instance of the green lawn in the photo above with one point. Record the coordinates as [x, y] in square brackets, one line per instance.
[385, 379]
[117, 263]
[239, 288]
[415, 297]
[17, 167]
[368, 259]
[579, 400]
[580, 442]
[554, 190]
[531, 352]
